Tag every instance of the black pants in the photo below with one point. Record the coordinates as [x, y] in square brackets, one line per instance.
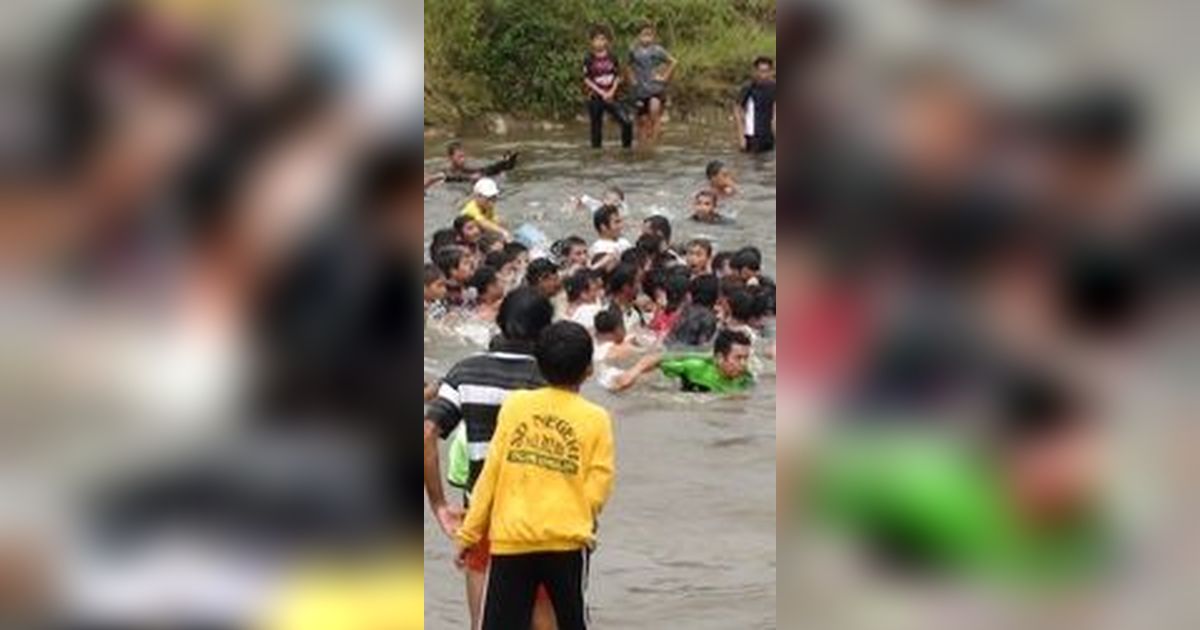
[596, 109]
[512, 583]
[760, 144]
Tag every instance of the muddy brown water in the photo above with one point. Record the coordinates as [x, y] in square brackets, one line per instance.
[688, 539]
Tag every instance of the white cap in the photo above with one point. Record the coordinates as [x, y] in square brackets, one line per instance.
[486, 187]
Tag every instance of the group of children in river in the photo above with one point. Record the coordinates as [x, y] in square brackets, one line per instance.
[533, 458]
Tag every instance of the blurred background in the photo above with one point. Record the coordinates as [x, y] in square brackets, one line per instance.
[988, 239]
[210, 214]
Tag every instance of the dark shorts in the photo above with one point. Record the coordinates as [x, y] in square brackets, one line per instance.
[480, 556]
[642, 105]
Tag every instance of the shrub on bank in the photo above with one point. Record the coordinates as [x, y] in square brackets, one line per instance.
[522, 57]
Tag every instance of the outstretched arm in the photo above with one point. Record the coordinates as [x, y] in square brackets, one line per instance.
[627, 378]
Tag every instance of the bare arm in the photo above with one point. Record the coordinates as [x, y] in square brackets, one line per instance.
[448, 517]
[665, 75]
[627, 378]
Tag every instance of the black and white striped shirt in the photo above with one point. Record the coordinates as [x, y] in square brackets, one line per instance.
[474, 390]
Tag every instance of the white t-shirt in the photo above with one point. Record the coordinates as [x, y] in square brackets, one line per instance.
[609, 246]
[585, 315]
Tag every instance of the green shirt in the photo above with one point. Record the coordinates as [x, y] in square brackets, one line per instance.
[938, 504]
[700, 373]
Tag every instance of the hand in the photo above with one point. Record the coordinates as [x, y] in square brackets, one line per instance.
[460, 558]
[449, 518]
[610, 95]
[742, 142]
[623, 381]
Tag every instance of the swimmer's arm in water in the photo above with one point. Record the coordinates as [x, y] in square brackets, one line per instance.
[626, 379]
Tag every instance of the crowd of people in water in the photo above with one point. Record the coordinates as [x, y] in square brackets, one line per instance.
[533, 458]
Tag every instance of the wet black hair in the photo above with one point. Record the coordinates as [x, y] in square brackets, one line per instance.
[539, 269]
[608, 320]
[727, 339]
[702, 243]
[599, 29]
[563, 246]
[564, 353]
[705, 289]
[714, 167]
[758, 61]
[577, 283]
[747, 258]
[488, 240]
[650, 245]
[443, 238]
[743, 306]
[497, 260]
[432, 274]
[675, 283]
[1032, 404]
[622, 276]
[604, 216]
[720, 260]
[524, 314]
[514, 249]
[449, 258]
[661, 226]
[460, 222]
[634, 256]
[452, 146]
[652, 280]
[484, 276]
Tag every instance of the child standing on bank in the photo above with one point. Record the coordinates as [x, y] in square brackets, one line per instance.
[547, 477]
[651, 67]
[601, 78]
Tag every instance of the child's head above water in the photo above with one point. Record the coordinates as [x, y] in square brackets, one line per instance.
[731, 349]
[610, 325]
[747, 262]
[519, 254]
[608, 222]
[699, 255]
[572, 252]
[457, 154]
[467, 229]
[613, 196]
[542, 274]
[564, 354]
[435, 283]
[659, 226]
[704, 207]
[583, 287]
[487, 285]
[720, 264]
[456, 264]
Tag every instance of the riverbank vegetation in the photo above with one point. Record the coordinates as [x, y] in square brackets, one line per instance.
[522, 58]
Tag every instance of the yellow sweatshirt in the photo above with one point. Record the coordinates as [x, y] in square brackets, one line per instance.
[548, 473]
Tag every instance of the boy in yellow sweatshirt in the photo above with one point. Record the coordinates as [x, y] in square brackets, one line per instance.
[548, 474]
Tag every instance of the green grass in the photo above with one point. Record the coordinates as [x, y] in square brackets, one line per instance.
[522, 57]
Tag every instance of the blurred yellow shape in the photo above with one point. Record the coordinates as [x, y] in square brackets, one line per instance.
[366, 595]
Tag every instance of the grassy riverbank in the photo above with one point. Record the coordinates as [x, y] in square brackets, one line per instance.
[521, 57]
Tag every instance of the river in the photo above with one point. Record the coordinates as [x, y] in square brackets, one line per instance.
[688, 539]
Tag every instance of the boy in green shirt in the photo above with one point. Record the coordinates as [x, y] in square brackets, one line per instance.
[726, 371]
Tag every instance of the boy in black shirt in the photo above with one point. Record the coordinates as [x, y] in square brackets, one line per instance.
[601, 78]
[756, 109]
